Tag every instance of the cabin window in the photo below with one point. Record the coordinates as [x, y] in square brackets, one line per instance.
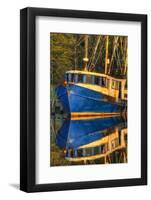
[66, 77]
[88, 152]
[72, 77]
[96, 150]
[103, 148]
[89, 79]
[83, 152]
[71, 153]
[93, 79]
[75, 78]
[84, 78]
[75, 153]
[102, 81]
[80, 78]
[79, 153]
[69, 77]
[97, 79]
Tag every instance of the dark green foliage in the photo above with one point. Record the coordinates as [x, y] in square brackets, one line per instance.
[62, 55]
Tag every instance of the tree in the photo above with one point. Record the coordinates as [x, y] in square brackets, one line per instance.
[62, 55]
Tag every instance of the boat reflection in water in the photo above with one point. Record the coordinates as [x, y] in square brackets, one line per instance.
[95, 140]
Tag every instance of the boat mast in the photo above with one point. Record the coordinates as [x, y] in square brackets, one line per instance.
[126, 56]
[106, 54]
[85, 59]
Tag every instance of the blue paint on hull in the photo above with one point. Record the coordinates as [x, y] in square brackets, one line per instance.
[62, 95]
[79, 99]
[75, 133]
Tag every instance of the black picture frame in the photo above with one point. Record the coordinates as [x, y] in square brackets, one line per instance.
[28, 98]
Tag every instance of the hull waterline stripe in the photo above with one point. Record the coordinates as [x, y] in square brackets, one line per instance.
[89, 115]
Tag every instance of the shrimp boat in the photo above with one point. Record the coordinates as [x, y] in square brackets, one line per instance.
[90, 94]
[90, 139]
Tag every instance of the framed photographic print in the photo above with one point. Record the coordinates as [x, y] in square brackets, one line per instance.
[83, 99]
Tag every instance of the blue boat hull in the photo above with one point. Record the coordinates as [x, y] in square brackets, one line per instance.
[79, 99]
[75, 133]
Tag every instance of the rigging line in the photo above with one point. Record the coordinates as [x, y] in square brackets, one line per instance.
[122, 49]
[118, 58]
[99, 55]
[95, 49]
[90, 60]
[100, 52]
[122, 53]
[125, 55]
[91, 49]
[121, 46]
[75, 50]
[106, 53]
[126, 63]
[113, 54]
[79, 41]
[114, 48]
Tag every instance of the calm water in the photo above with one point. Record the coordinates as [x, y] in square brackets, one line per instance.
[88, 141]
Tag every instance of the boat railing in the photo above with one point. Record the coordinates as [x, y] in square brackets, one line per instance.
[109, 144]
[86, 79]
[110, 85]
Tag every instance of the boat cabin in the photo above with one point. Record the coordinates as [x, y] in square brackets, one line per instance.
[115, 141]
[108, 85]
